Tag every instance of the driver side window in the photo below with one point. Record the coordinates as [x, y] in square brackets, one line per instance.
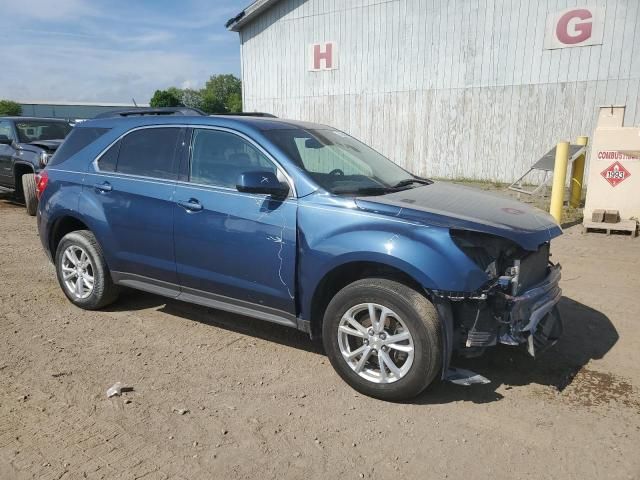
[6, 130]
[218, 158]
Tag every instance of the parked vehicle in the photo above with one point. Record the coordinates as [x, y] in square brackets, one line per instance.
[301, 225]
[26, 145]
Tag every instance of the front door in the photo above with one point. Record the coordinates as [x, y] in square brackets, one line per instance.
[232, 247]
[6, 154]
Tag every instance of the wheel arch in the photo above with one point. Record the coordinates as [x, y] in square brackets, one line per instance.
[343, 274]
[20, 169]
[346, 273]
[60, 227]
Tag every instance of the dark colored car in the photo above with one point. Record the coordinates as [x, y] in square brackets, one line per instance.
[26, 144]
[302, 225]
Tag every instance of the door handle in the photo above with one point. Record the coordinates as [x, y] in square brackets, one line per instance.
[191, 205]
[103, 187]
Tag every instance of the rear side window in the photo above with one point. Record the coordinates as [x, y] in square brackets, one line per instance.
[149, 152]
[79, 138]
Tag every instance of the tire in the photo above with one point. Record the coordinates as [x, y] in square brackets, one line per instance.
[83, 247]
[29, 192]
[406, 309]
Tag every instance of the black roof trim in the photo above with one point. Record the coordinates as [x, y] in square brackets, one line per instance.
[247, 114]
[143, 111]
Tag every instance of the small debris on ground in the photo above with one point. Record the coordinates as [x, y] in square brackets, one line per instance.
[180, 411]
[118, 389]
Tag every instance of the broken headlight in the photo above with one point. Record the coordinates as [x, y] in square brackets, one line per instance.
[489, 252]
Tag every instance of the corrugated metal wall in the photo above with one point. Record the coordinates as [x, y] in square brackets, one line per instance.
[455, 88]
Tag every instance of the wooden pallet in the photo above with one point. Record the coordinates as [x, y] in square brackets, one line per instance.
[629, 226]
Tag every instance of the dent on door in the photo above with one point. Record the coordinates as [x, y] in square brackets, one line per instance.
[239, 246]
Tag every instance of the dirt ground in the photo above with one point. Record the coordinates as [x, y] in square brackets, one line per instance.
[217, 395]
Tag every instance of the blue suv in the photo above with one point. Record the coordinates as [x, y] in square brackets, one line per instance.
[301, 225]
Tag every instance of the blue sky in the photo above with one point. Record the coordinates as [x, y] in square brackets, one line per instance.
[99, 50]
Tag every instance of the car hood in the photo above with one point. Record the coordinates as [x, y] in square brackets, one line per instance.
[50, 145]
[458, 207]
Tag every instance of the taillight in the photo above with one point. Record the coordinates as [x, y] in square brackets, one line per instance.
[42, 179]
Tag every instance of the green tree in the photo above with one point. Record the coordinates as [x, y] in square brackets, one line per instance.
[9, 108]
[191, 98]
[212, 104]
[166, 98]
[222, 93]
[234, 102]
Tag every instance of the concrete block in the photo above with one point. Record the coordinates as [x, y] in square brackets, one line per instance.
[597, 216]
[611, 216]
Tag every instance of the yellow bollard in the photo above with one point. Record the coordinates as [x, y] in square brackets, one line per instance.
[559, 180]
[577, 175]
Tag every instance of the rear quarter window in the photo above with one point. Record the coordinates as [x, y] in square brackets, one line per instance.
[79, 138]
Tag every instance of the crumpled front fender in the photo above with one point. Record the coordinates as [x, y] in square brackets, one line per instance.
[332, 236]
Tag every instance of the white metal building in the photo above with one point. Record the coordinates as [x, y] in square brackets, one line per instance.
[446, 88]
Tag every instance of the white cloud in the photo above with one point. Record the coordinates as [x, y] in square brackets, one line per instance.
[102, 75]
[46, 9]
[74, 50]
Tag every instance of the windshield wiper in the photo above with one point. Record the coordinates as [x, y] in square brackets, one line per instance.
[364, 190]
[409, 181]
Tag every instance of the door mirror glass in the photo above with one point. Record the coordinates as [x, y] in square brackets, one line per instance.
[4, 140]
[262, 182]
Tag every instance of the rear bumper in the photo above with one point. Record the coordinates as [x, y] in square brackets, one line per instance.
[41, 222]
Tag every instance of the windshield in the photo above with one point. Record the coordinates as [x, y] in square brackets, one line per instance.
[341, 164]
[37, 130]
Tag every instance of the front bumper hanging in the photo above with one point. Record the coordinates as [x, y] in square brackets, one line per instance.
[534, 315]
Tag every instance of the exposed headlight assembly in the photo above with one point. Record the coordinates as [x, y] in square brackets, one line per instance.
[489, 252]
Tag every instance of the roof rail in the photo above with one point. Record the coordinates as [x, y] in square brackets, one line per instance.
[248, 114]
[142, 111]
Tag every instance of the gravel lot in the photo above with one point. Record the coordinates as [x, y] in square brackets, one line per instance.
[217, 395]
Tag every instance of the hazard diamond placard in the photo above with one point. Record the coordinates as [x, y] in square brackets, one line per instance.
[615, 173]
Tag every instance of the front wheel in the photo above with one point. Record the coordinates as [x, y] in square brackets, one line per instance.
[383, 338]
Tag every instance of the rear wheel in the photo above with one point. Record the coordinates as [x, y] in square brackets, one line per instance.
[29, 192]
[383, 338]
[82, 271]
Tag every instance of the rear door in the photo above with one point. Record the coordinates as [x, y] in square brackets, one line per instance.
[130, 193]
[232, 247]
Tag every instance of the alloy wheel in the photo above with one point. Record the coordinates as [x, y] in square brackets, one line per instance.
[376, 343]
[77, 272]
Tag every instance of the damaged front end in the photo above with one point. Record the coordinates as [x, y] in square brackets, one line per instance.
[517, 305]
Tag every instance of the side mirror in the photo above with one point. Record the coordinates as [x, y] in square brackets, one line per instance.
[4, 140]
[312, 143]
[262, 182]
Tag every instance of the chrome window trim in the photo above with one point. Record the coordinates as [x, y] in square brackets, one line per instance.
[194, 186]
[279, 167]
